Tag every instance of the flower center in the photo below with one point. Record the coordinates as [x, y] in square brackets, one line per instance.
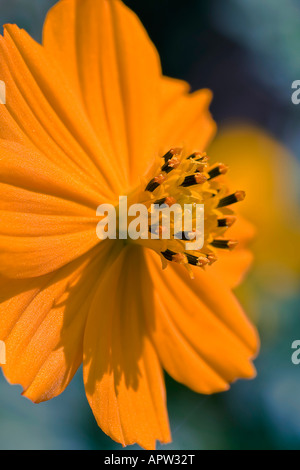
[181, 179]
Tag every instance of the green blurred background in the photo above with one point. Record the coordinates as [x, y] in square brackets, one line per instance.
[247, 52]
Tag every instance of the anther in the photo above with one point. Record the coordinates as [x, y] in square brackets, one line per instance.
[224, 244]
[155, 182]
[180, 258]
[226, 221]
[196, 260]
[232, 199]
[171, 153]
[170, 165]
[201, 166]
[190, 180]
[187, 236]
[199, 157]
[212, 258]
[221, 169]
[168, 254]
[169, 201]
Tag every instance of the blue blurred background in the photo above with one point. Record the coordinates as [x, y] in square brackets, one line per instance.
[247, 52]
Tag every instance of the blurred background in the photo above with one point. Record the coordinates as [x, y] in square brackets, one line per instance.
[247, 53]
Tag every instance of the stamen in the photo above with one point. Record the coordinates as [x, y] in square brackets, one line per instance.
[183, 236]
[201, 166]
[199, 157]
[168, 254]
[180, 258]
[212, 258]
[232, 199]
[190, 180]
[221, 169]
[169, 201]
[171, 153]
[190, 171]
[171, 164]
[196, 260]
[224, 244]
[155, 182]
[227, 221]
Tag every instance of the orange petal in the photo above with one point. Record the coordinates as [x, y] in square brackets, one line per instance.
[123, 378]
[232, 266]
[36, 244]
[42, 323]
[15, 199]
[25, 168]
[200, 323]
[23, 257]
[115, 68]
[184, 119]
[172, 89]
[42, 111]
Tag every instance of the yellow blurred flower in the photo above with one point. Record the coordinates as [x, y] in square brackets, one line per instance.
[269, 173]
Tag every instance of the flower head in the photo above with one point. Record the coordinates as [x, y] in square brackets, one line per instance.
[89, 116]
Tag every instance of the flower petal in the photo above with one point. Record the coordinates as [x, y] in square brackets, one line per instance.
[232, 266]
[200, 323]
[184, 118]
[16, 199]
[123, 378]
[36, 244]
[25, 168]
[42, 323]
[172, 89]
[42, 111]
[115, 68]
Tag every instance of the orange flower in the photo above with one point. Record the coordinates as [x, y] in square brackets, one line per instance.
[87, 118]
